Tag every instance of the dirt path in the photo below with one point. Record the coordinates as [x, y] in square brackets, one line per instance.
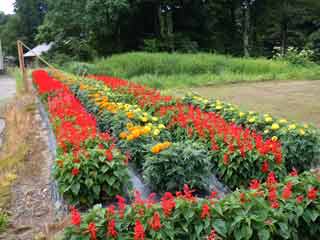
[32, 211]
[7, 87]
[295, 100]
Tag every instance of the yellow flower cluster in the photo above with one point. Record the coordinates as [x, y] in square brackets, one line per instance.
[252, 117]
[135, 132]
[160, 147]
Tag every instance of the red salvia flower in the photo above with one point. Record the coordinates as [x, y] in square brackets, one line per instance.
[272, 195]
[93, 231]
[294, 173]
[225, 159]
[155, 222]
[122, 205]
[75, 171]
[212, 235]
[139, 231]
[112, 232]
[254, 184]
[109, 155]
[287, 192]
[312, 193]
[299, 199]
[205, 211]
[275, 204]
[167, 203]
[75, 217]
[265, 167]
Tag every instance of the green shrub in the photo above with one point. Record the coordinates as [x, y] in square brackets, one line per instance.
[186, 162]
[97, 173]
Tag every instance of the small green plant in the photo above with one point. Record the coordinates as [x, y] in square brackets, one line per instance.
[185, 162]
[4, 219]
[98, 172]
[294, 55]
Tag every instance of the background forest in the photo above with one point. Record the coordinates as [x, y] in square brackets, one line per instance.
[85, 29]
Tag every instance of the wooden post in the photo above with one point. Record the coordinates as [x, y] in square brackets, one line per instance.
[22, 66]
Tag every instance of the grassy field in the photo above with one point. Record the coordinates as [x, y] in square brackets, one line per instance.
[163, 70]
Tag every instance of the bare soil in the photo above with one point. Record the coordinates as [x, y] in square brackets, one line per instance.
[295, 100]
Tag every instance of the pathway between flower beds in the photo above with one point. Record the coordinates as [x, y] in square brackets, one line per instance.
[295, 100]
[31, 209]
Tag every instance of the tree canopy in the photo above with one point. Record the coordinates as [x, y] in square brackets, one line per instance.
[87, 28]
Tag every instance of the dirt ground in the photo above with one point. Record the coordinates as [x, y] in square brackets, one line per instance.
[294, 100]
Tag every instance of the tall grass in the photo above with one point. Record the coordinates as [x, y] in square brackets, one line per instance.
[166, 70]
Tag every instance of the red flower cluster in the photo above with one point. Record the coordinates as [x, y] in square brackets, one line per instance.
[146, 96]
[168, 203]
[75, 216]
[112, 229]
[205, 211]
[209, 125]
[139, 231]
[92, 229]
[155, 222]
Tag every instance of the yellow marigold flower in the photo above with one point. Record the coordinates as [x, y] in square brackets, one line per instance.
[283, 120]
[302, 132]
[130, 115]
[275, 126]
[155, 119]
[156, 132]
[161, 126]
[251, 112]
[292, 127]
[218, 107]
[144, 119]
[136, 133]
[147, 129]
[123, 135]
[145, 114]
[241, 114]
[274, 138]
[155, 149]
[252, 119]
[166, 144]
[130, 137]
[233, 120]
[268, 119]
[266, 131]
[129, 125]
[305, 126]
[205, 101]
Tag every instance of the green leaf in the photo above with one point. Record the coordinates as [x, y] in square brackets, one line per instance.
[220, 226]
[264, 234]
[75, 188]
[96, 190]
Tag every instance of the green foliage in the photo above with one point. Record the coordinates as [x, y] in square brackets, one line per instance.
[164, 70]
[295, 56]
[4, 220]
[185, 162]
[99, 178]
[245, 214]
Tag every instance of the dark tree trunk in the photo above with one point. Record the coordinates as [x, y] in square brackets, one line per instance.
[246, 28]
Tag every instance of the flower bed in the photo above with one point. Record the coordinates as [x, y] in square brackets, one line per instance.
[237, 154]
[89, 168]
[288, 210]
[273, 210]
[300, 143]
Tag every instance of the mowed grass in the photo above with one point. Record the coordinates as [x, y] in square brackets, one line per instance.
[165, 70]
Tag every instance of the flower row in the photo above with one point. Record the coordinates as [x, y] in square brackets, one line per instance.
[288, 210]
[237, 154]
[300, 143]
[89, 168]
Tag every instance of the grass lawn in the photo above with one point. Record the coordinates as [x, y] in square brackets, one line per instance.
[163, 70]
